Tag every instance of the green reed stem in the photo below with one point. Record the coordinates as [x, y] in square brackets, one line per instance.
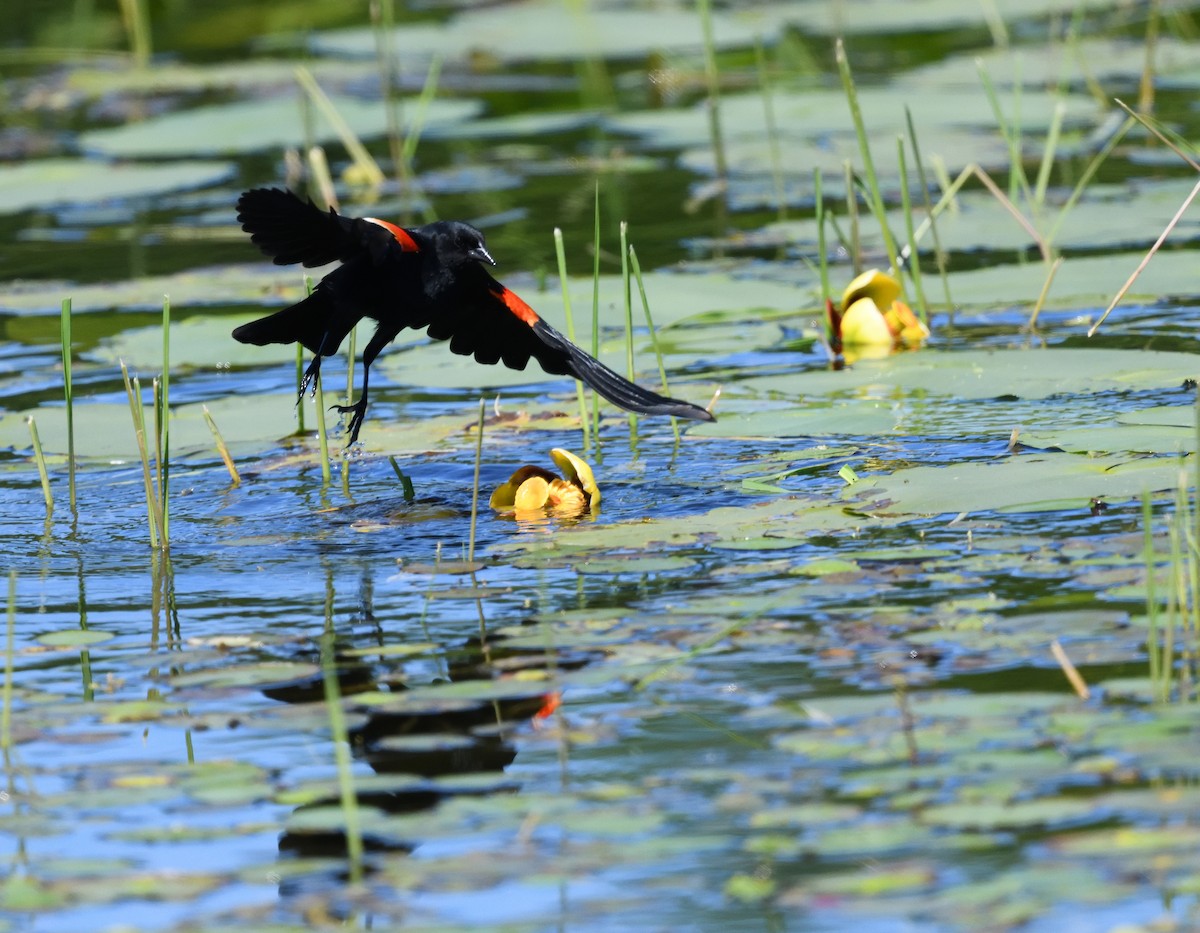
[938, 253]
[822, 246]
[876, 200]
[417, 122]
[1041, 300]
[712, 80]
[627, 294]
[658, 356]
[322, 432]
[1167, 668]
[773, 148]
[1091, 169]
[40, 459]
[475, 486]
[854, 247]
[1012, 139]
[596, 312]
[1152, 613]
[133, 390]
[6, 713]
[136, 19]
[341, 751]
[561, 255]
[1048, 154]
[367, 166]
[406, 483]
[164, 414]
[383, 23]
[222, 449]
[1150, 44]
[322, 179]
[64, 329]
[914, 258]
[299, 382]
[319, 393]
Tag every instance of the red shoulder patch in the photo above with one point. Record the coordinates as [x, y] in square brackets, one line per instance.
[407, 243]
[513, 302]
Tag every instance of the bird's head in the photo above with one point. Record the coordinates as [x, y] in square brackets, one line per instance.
[458, 242]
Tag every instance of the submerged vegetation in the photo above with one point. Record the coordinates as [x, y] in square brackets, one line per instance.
[908, 635]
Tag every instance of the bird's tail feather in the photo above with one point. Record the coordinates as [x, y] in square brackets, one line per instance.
[310, 322]
[615, 387]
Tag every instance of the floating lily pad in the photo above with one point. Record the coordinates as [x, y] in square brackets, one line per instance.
[105, 430]
[48, 182]
[985, 374]
[246, 675]
[242, 285]
[255, 125]
[1107, 216]
[881, 16]
[538, 30]
[1083, 59]
[75, 638]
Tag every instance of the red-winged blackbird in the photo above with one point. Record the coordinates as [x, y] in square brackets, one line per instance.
[415, 277]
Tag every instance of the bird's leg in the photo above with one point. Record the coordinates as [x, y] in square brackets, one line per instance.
[358, 411]
[313, 371]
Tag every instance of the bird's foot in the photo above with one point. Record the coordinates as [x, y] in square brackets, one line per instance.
[357, 412]
[310, 379]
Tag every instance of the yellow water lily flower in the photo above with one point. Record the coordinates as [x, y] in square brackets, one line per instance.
[872, 319]
[533, 492]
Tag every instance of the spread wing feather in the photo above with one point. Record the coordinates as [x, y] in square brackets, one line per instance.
[294, 230]
[502, 328]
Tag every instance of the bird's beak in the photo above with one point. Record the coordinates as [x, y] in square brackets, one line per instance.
[482, 255]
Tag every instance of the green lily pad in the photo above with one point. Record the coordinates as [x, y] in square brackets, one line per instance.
[980, 814]
[542, 30]
[1050, 481]
[1084, 58]
[105, 430]
[242, 285]
[1080, 281]
[255, 125]
[74, 638]
[246, 675]
[46, 182]
[1108, 216]
[881, 16]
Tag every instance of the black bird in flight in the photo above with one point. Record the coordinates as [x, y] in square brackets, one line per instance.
[421, 277]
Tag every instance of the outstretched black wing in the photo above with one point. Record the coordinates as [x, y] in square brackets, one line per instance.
[294, 230]
[500, 327]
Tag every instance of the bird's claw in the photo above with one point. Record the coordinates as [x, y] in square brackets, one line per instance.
[309, 380]
[357, 412]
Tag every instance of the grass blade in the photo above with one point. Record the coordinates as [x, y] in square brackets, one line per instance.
[6, 714]
[222, 449]
[64, 328]
[367, 167]
[475, 489]
[341, 751]
[914, 258]
[164, 415]
[627, 295]
[40, 459]
[662, 369]
[938, 253]
[860, 130]
[406, 483]
[134, 392]
[596, 314]
[1146, 259]
[561, 256]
